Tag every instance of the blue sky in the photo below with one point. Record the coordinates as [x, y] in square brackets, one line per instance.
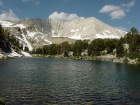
[122, 14]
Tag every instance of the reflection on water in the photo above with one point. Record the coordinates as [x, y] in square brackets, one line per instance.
[42, 81]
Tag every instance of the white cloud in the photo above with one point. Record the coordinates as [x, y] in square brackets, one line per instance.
[109, 8]
[9, 15]
[117, 12]
[36, 2]
[129, 5]
[128, 22]
[122, 28]
[1, 3]
[62, 16]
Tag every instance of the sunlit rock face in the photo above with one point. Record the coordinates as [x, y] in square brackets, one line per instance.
[89, 28]
[37, 32]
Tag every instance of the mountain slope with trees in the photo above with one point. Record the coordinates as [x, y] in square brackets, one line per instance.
[4, 44]
[127, 47]
[37, 32]
[9, 45]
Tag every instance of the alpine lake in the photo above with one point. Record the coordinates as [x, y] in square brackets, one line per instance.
[50, 81]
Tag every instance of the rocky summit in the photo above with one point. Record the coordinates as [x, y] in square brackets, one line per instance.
[37, 32]
[89, 28]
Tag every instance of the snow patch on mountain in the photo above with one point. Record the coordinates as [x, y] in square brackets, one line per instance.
[37, 32]
[48, 41]
[2, 56]
[20, 25]
[28, 44]
[107, 31]
[76, 37]
[84, 28]
[36, 39]
[121, 31]
[54, 34]
[26, 54]
[73, 30]
[10, 24]
[104, 35]
[6, 24]
[13, 54]
[31, 34]
[79, 29]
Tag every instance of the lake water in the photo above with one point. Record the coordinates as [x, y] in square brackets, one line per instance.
[43, 81]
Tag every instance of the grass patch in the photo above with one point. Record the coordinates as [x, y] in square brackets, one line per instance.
[2, 101]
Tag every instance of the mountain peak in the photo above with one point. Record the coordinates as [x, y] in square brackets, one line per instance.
[89, 28]
[37, 32]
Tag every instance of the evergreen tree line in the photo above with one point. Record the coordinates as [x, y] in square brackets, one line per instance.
[64, 48]
[133, 39]
[97, 47]
[13, 40]
[5, 34]
[4, 44]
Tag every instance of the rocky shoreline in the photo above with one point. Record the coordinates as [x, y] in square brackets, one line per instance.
[13, 54]
[115, 59]
[108, 57]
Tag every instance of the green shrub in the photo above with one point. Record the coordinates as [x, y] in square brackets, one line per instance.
[2, 101]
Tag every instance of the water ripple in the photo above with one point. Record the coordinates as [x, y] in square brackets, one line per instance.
[40, 81]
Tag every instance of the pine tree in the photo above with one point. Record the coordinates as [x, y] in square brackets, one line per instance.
[120, 49]
[66, 54]
[26, 49]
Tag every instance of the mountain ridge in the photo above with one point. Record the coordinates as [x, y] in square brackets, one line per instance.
[78, 28]
[38, 32]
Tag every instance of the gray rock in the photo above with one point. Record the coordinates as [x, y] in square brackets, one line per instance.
[89, 28]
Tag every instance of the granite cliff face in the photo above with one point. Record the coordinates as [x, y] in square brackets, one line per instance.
[26, 32]
[89, 28]
[37, 32]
